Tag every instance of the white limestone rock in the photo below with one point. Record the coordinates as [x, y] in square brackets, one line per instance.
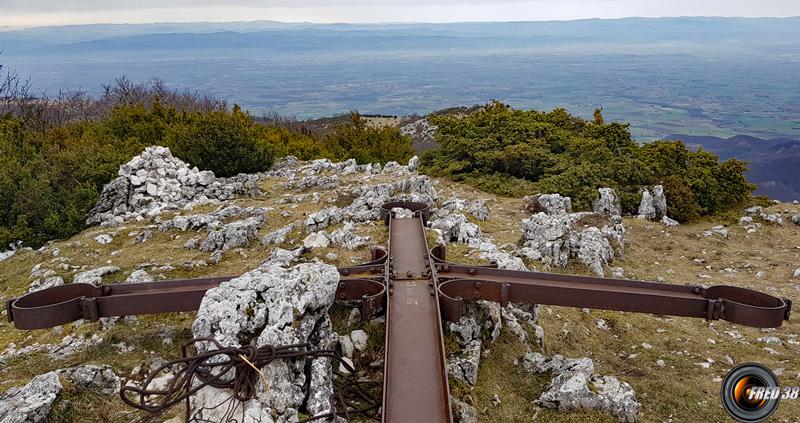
[646, 208]
[94, 276]
[666, 221]
[317, 240]
[552, 204]
[464, 413]
[346, 237]
[271, 305]
[607, 203]
[155, 181]
[359, 338]
[575, 386]
[232, 235]
[413, 164]
[30, 403]
[97, 378]
[139, 275]
[48, 282]
[593, 249]
[464, 366]
[104, 239]
[278, 236]
[476, 208]
[402, 213]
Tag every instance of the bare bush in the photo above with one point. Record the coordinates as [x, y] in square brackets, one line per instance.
[42, 111]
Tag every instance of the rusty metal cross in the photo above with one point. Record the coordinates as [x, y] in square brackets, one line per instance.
[417, 288]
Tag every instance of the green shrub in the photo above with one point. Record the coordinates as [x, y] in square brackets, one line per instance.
[496, 146]
[367, 145]
[50, 178]
[227, 143]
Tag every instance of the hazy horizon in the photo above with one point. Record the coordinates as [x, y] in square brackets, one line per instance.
[367, 23]
[37, 13]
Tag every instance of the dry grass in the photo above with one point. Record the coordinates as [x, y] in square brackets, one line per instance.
[682, 391]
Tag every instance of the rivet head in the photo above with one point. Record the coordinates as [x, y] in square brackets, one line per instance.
[473, 271]
[478, 284]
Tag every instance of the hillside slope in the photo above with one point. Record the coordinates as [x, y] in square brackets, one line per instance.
[674, 365]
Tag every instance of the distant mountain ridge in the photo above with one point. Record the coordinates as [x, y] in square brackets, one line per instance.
[774, 163]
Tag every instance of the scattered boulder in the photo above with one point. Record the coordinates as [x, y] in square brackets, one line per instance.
[402, 213]
[413, 164]
[576, 386]
[278, 236]
[758, 211]
[796, 273]
[608, 203]
[593, 249]
[346, 345]
[213, 220]
[155, 181]
[317, 240]
[314, 181]
[232, 235]
[346, 237]
[284, 306]
[94, 276]
[653, 205]
[667, 221]
[11, 251]
[48, 282]
[463, 412]
[464, 366]
[30, 403]
[476, 208]
[552, 239]
[359, 338]
[138, 276]
[552, 204]
[104, 239]
[796, 219]
[720, 231]
[97, 378]
[455, 227]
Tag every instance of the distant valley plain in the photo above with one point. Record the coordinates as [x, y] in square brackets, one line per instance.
[706, 77]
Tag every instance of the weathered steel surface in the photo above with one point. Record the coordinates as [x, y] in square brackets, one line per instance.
[737, 305]
[415, 379]
[67, 303]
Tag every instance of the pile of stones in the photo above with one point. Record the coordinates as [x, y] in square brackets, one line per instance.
[155, 181]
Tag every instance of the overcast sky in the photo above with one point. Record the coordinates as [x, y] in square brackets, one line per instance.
[61, 12]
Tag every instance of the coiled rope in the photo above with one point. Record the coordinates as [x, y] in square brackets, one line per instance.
[238, 369]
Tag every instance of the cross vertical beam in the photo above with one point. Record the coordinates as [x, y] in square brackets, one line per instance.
[415, 378]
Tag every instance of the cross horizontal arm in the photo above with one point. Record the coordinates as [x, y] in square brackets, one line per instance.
[67, 303]
[737, 305]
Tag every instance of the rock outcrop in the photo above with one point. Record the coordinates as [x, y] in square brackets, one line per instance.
[553, 239]
[607, 203]
[547, 203]
[272, 305]
[476, 208]
[576, 386]
[30, 403]
[654, 205]
[155, 181]
[96, 378]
